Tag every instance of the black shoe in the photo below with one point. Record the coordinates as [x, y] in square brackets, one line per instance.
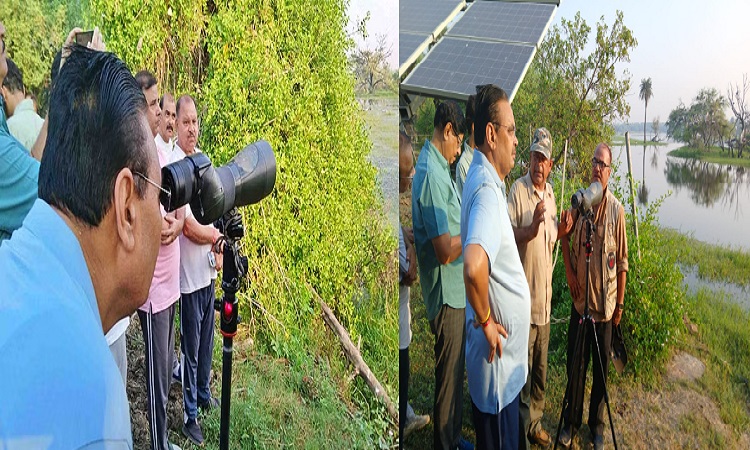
[565, 438]
[192, 431]
[598, 441]
[212, 403]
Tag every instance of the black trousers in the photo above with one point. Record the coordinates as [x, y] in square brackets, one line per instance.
[403, 392]
[597, 406]
[450, 361]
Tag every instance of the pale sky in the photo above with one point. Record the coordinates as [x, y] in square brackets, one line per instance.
[383, 20]
[683, 45]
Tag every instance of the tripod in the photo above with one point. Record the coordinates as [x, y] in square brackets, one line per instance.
[577, 373]
[235, 268]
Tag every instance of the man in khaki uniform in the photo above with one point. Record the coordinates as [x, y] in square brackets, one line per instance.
[606, 289]
[533, 215]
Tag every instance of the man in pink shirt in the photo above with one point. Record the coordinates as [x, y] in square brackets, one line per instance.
[157, 314]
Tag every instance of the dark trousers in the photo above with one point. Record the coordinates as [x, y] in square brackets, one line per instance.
[450, 360]
[197, 332]
[597, 406]
[158, 337]
[531, 407]
[403, 392]
[498, 431]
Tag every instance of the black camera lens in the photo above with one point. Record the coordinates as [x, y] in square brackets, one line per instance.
[247, 178]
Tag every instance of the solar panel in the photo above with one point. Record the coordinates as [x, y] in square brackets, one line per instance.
[502, 21]
[455, 66]
[409, 43]
[426, 16]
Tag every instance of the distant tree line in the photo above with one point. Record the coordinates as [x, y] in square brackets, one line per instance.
[704, 123]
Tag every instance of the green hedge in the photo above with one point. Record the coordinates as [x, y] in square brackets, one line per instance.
[277, 70]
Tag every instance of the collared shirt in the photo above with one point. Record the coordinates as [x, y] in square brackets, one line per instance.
[436, 210]
[195, 271]
[164, 147]
[59, 385]
[485, 221]
[165, 285]
[536, 254]
[609, 256]
[25, 124]
[19, 180]
[467, 155]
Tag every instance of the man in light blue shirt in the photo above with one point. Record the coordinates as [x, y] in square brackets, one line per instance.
[82, 260]
[498, 306]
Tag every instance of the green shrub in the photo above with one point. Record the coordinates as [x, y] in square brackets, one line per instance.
[277, 70]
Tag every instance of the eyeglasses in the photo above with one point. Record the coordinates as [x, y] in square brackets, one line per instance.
[598, 162]
[153, 183]
[511, 128]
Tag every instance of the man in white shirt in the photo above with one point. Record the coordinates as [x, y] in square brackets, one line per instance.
[165, 137]
[23, 121]
[197, 276]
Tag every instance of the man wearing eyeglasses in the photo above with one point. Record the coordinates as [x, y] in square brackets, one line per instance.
[606, 288]
[497, 293]
[533, 215]
[436, 210]
[82, 260]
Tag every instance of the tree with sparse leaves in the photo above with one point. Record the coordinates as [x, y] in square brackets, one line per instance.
[371, 66]
[736, 96]
[577, 95]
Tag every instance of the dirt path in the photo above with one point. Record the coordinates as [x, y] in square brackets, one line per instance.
[675, 416]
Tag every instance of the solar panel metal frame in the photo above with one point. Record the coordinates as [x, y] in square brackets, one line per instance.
[407, 57]
[434, 77]
[504, 22]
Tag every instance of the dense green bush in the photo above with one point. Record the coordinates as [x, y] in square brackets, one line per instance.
[277, 70]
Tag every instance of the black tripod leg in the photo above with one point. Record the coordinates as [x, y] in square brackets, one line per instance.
[604, 384]
[571, 390]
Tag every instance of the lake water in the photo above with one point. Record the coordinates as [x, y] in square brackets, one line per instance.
[381, 117]
[709, 201]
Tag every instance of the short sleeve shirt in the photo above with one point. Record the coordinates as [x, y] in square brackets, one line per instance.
[436, 210]
[536, 254]
[485, 222]
[19, 180]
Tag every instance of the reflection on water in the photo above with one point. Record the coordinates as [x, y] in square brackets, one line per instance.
[707, 200]
[707, 182]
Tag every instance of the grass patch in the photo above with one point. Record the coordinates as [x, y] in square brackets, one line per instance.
[620, 140]
[722, 342]
[697, 426]
[711, 154]
[714, 262]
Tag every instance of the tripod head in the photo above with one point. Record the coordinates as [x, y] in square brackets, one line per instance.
[235, 268]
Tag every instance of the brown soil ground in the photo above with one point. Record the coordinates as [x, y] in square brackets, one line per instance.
[665, 417]
[136, 390]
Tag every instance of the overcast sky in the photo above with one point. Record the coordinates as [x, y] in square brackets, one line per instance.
[683, 45]
[383, 20]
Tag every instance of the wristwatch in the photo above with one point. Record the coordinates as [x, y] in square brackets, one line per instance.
[621, 306]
